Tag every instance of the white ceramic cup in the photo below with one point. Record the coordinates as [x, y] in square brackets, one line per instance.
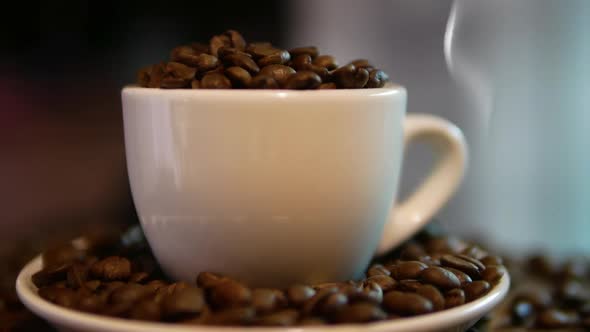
[277, 187]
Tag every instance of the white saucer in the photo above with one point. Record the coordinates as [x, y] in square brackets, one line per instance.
[456, 319]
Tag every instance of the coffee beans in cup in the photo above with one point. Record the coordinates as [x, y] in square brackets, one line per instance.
[229, 62]
[428, 274]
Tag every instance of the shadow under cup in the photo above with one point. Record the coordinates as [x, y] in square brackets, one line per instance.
[272, 187]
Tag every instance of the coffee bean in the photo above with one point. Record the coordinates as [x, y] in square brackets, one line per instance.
[409, 285]
[377, 79]
[454, 297]
[360, 313]
[92, 285]
[303, 80]
[412, 251]
[476, 289]
[263, 82]
[143, 76]
[474, 251]
[440, 277]
[261, 50]
[173, 83]
[111, 268]
[278, 58]
[65, 297]
[326, 61]
[349, 77]
[225, 51]
[209, 279]
[232, 316]
[218, 42]
[326, 86]
[186, 54]
[407, 270]
[206, 62]
[492, 260]
[322, 72]
[312, 51]
[301, 62]
[180, 71]
[370, 293]
[574, 268]
[377, 269]
[239, 77]
[433, 294]
[146, 310]
[464, 279]
[329, 304]
[361, 63]
[215, 81]
[573, 291]
[385, 282]
[230, 294]
[407, 303]
[195, 84]
[93, 304]
[460, 264]
[285, 317]
[139, 277]
[50, 275]
[493, 274]
[130, 293]
[77, 275]
[311, 321]
[555, 319]
[242, 61]
[279, 73]
[265, 300]
[236, 39]
[310, 305]
[472, 260]
[182, 303]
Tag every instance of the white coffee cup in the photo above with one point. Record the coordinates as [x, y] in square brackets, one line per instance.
[276, 187]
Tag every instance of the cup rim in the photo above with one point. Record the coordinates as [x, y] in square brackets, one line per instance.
[389, 89]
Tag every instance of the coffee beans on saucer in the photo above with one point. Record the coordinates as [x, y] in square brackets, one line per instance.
[429, 274]
[229, 62]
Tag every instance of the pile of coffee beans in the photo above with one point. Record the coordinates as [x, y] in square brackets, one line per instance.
[122, 279]
[229, 62]
[547, 294]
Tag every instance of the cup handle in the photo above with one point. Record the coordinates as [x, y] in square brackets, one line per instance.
[450, 147]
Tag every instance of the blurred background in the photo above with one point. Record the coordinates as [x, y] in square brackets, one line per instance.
[63, 63]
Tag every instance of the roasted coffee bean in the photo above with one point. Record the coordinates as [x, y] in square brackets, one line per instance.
[492, 260]
[301, 62]
[232, 316]
[146, 310]
[111, 268]
[493, 274]
[360, 313]
[464, 279]
[50, 275]
[460, 264]
[327, 86]
[370, 293]
[225, 51]
[139, 277]
[261, 50]
[326, 304]
[66, 297]
[265, 300]
[299, 294]
[541, 265]
[143, 76]
[173, 83]
[303, 80]
[407, 270]
[279, 73]
[183, 303]
[312, 51]
[434, 295]
[130, 293]
[62, 255]
[242, 61]
[195, 84]
[263, 82]
[206, 62]
[215, 81]
[311, 321]
[278, 58]
[236, 39]
[92, 285]
[555, 319]
[407, 303]
[180, 71]
[573, 291]
[218, 42]
[574, 268]
[476, 289]
[408, 285]
[209, 279]
[473, 261]
[326, 61]
[440, 277]
[349, 77]
[412, 251]
[377, 79]
[322, 72]
[186, 54]
[385, 282]
[285, 317]
[521, 311]
[377, 269]
[77, 275]
[361, 63]
[238, 76]
[454, 297]
[93, 304]
[230, 294]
